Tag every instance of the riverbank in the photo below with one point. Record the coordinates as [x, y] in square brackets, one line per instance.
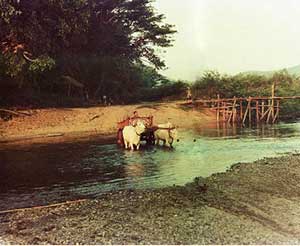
[95, 121]
[253, 203]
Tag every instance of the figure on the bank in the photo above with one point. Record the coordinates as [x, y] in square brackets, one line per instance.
[189, 94]
[104, 100]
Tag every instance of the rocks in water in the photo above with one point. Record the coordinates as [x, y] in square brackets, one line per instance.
[200, 184]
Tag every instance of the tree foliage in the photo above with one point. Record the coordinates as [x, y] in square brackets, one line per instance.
[103, 44]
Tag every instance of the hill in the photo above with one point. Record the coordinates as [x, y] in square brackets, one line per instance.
[295, 70]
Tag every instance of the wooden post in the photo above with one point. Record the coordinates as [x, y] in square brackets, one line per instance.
[250, 111]
[246, 112]
[231, 117]
[278, 108]
[262, 109]
[234, 111]
[277, 111]
[218, 108]
[224, 110]
[224, 129]
[230, 114]
[265, 113]
[257, 111]
[266, 108]
[273, 104]
[234, 129]
[241, 110]
[269, 111]
[263, 130]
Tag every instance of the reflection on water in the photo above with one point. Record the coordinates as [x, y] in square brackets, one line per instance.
[45, 174]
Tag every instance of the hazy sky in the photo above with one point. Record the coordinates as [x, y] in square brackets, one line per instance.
[231, 35]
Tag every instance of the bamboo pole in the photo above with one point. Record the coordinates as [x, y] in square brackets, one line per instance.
[224, 110]
[246, 112]
[241, 110]
[234, 118]
[273, 95]
[277, 111]
[234, 129]
[267, 108]
[270, 113]
[262, 109]
[257, 111]
[265, 113]
[224, 129]
[234, 110]
[231, 117]
[218, 109]
[250, 110]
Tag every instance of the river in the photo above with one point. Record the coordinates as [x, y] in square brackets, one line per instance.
[43, 174]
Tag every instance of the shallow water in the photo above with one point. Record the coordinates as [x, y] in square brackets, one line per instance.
[44, 174]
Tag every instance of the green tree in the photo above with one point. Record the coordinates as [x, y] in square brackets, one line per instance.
[95, 42]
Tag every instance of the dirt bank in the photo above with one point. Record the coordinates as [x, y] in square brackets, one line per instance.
[254, 203]
[97, 120]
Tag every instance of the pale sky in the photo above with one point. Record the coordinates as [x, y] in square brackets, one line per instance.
[231, 36]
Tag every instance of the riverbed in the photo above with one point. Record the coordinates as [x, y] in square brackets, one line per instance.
[251, 203]
[42, 174]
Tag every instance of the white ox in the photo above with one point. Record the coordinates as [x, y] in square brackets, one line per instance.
[132, 135]
[167, 133]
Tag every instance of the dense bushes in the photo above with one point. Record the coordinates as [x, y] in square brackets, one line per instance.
[212, 83]
[170, 91]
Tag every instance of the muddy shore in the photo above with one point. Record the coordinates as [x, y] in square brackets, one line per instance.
[49, 125]
[251, 203]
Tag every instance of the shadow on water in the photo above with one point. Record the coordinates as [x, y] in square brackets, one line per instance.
[44, 174]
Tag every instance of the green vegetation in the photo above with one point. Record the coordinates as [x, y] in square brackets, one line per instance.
[60, 52]
[56, 50]
[212, 83]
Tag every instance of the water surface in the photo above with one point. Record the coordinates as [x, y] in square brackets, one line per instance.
[48, 173]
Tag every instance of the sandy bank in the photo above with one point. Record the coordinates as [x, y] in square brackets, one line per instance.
[253, 203]
[80, 122]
